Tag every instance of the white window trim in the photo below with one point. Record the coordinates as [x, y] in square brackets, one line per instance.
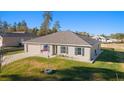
[82, 51]
[66, 49]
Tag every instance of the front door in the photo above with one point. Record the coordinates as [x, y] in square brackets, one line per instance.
[54, 49]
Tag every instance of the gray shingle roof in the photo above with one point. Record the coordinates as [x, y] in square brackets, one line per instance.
[63, 37]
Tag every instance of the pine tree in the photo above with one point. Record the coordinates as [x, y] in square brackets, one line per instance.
[18, 29]
[5, 26]
[14, 27]
[44, 29]
[56, 27]
[24, 26]
[1, 27]
[34, 31]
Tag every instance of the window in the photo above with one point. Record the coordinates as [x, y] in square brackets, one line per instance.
[46, 48]
[64, 49]
[79, 51]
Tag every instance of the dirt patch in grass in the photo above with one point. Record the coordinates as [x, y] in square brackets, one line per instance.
[35, 64]
[97, 76]
[122, 65]
[109, 62]
[118, 47]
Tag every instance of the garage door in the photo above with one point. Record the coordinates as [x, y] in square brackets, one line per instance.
[35, 49]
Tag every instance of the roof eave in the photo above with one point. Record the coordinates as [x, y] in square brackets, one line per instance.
[57, 44]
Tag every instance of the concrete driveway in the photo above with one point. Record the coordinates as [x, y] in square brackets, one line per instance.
[11, 58]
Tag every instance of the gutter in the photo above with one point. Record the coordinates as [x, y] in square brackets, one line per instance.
[55, 44]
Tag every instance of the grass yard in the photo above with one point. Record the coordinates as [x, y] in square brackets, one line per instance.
[116, 46]
[106, 67]
[12, 50]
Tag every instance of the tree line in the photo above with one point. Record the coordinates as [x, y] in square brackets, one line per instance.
[16, 27]
[119, 36]
[23, 27]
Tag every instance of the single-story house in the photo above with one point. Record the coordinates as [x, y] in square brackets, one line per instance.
[106, 39]
[100, 38]
[113, 40]
[15, 38]
[64, 43]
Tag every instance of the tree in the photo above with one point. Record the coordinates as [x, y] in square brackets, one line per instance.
[83, 33]
[1, 26]
[22, 27]
[10, 28]
[56, 27]
[41, 32]
[44, 29]
[14, 27]
[119, 36]
[35, 30]
[18, 27]
[103, 35]
[5, 26]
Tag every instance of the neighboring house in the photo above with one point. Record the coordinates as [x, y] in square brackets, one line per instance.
[100, 38]
[64, 43]
[14, 39]
[113, 40]
[106, 39]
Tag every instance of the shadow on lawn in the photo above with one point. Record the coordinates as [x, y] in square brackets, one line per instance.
[72, 74]
[109, 55]
[89, 74]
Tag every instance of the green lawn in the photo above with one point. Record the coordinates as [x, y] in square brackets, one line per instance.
[105, 68]
[12, 50]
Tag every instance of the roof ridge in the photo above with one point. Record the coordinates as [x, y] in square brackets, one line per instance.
[81, 38]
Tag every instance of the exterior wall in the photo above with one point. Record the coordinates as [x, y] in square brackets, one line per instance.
[46, 53]
[98, 50]
[71, 53]
[13, 41]
[89, 52]
[37, 49]
[33, 48]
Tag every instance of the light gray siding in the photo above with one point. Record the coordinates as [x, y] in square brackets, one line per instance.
[71, 53]
[88, 53]
[38, 49]
[95, 50]
[34, 49]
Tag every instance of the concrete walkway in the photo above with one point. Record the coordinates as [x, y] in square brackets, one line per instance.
[11, 58]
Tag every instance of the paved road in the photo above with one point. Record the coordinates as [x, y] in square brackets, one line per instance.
[11, 58]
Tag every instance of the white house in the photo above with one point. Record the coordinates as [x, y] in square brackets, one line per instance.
[100, 38]
[113, 40]
[64, 43]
